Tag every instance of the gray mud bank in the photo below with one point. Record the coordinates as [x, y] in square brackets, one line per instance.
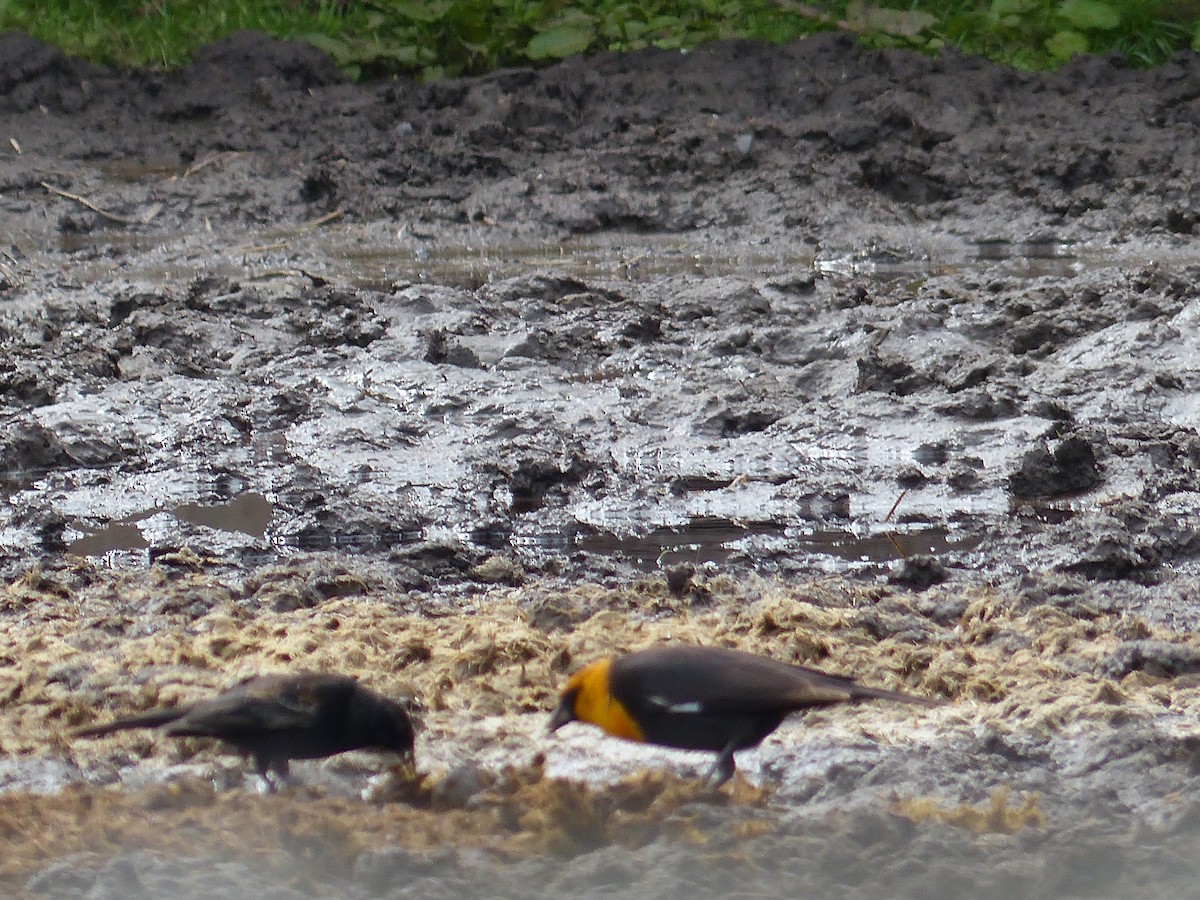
[878, 362]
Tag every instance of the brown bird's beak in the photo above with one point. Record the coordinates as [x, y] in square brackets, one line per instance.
[407, 765]
[563, 714]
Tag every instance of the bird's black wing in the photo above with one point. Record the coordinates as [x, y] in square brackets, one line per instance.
[684, 680]
[269, 704]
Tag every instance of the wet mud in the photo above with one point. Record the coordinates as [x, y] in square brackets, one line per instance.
[865, 360]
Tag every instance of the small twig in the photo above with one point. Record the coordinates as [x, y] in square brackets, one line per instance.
[307, 226]
[325, 219]
[317, 280]
[891, 512]
[83, 201]
[263, 248]
[201, 164]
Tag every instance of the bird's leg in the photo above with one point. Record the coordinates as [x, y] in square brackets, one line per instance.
[262, 768]
[283, 772]
[274, 772]
[724, 767]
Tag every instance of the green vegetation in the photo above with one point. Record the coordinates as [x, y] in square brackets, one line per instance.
[1036, 34]
[162, 34]
[432, 38]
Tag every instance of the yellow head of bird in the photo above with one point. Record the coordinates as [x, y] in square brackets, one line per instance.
[587, 698]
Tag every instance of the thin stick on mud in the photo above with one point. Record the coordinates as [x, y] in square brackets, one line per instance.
[325, 219]
[896, 505]
[307, 226]
[271, 274]
[891, 536]
[83, 201]
[201, 164]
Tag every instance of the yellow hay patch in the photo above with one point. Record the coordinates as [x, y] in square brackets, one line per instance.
[997, 817]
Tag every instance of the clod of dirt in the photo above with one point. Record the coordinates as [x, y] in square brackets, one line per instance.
[679, 580]
[919, 573]
[1158, 658]
[1069, 468]
[497, 570]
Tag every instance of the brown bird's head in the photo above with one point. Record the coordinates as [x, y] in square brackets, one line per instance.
[399, 734]
[384, 724]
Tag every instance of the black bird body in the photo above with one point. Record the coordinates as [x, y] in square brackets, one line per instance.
[702, 698]
[277, 718]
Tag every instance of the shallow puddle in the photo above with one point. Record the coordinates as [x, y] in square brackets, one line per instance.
[715, 540]
[248, 514]
[361, 256]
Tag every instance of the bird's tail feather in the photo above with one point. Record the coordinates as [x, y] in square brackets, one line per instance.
[151, 719]
[870, 693]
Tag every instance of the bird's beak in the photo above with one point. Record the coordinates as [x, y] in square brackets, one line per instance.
[563, 714]
[406, 763]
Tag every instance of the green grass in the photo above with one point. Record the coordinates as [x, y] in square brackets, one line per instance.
[161, 34]
[1037, 34]
[432, 38]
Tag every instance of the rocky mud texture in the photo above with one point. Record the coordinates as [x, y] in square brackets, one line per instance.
[865, 360]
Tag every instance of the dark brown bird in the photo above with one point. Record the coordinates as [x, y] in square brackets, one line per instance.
[278, 718]
[702, 698]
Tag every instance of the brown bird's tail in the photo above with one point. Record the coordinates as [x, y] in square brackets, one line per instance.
[151, 719]
[862, 692]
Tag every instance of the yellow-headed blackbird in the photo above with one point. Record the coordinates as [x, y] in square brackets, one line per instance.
[277, 718]
[701, 698]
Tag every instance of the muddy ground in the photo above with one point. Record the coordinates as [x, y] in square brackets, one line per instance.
[871, 361]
